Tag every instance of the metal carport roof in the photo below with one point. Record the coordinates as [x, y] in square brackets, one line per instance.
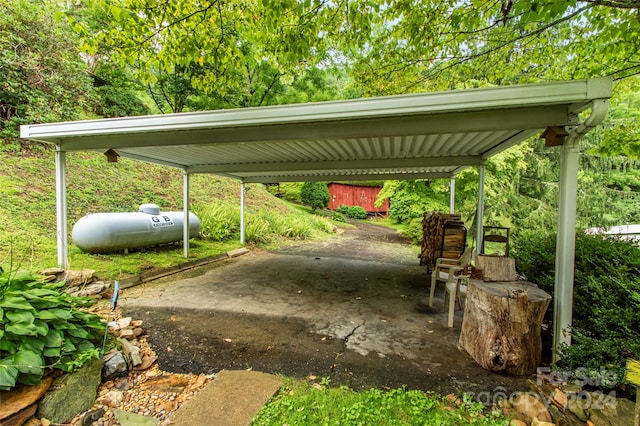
[430, 135]
[396, 137]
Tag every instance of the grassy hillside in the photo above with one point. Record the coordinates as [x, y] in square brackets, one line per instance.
[28, 215]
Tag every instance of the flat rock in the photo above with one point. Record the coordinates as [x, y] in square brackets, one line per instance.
[124, 322]
[52, 271]
[618, 412]
[78, 278]
[131, 351]
[20, 417]
[147, 361]
[237, 252]
[166, 384]
[126, 418]
[232, 398]
[532, 407]
[91, 289]
[127, 333]
[21, 397]
[112, 398]
[92, 416]
[73, 394]
[114, 366]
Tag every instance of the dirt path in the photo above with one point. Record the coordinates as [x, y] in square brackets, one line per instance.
[350, 308]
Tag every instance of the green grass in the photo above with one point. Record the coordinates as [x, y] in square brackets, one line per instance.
[28, 212]
[308, 403]
[120, 265]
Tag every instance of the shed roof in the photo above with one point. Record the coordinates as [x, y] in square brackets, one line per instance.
[428, 135]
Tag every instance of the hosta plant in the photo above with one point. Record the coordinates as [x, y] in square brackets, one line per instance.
[42, 327]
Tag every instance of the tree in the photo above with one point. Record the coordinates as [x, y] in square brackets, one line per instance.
[44, 76]
[117, 94]
[425, 45]
[226, 36]
[315, 194]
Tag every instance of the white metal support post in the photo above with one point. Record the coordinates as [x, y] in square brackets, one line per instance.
[61, 208]
[566, 240]
[452, 195]
[480, 210]
[242, 213]
[186, 208]
[566, 246]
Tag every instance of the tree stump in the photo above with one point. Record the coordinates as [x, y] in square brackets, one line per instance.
[502, 324]
[497, 268]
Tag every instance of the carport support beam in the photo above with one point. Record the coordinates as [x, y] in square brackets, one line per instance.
[61, 208]
[242, 230]
[566, 240]
[186, 208]
[480, 209]
[452, 195]
[566, 246]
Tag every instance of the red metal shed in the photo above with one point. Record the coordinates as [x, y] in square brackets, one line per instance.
[354, 195]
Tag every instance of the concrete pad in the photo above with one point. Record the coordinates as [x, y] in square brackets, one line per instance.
[232, 398]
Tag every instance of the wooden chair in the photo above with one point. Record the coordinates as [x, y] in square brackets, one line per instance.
[495, 234]
[446, 269]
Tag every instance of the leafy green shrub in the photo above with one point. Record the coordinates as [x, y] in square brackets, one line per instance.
[411, 198]
[42, 327]
[291, 191]
[218, 222]
[338, 217]
[606, 315]
[354, 212]
[315, 194]
[118, 102]
[413, 230]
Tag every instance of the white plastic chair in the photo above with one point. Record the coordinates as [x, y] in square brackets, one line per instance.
[456, 291]
[448, 270]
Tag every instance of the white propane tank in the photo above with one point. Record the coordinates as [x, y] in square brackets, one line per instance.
[109, 232]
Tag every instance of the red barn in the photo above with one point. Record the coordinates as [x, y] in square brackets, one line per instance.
[353, 195]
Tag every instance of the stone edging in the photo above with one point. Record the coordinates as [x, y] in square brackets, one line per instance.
[163, 272]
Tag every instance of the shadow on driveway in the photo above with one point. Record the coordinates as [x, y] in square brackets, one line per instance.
[351, 308]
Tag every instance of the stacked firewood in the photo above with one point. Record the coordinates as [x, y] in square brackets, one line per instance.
[443, 235]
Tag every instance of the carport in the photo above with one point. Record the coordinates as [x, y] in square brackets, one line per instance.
[418, 136]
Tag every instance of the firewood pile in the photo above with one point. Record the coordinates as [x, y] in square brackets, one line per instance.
[443, 235]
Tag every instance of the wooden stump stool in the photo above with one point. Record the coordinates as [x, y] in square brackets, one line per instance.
[502, 324]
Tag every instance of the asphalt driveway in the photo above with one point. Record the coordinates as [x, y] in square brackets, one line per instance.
[351, 308]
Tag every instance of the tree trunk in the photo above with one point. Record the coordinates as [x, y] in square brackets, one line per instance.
[502, 324]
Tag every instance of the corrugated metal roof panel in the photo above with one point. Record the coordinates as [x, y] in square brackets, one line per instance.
[418, 135]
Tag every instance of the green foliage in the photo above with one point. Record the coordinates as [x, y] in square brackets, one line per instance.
[221, 221]
[410, 199]
[42, 327]
[354, 212]
[118, 102]
[300, 403]
[218, 222]
[338, 217]
[413, 230]
[606, 296]
[291, 191]
[315, 194]
[43, 76]
[463, 42]
[237, 49]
